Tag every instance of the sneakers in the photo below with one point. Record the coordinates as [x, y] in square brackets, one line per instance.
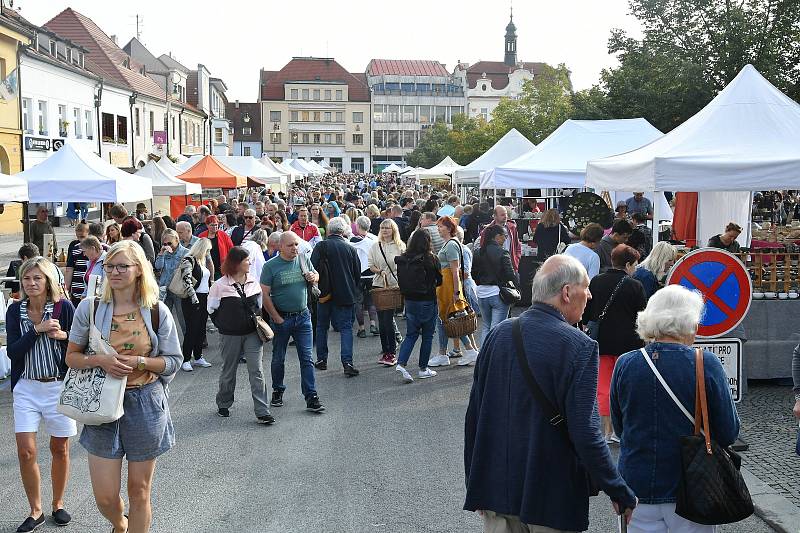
[277, 398]
[30, 524]
[404, 374]
[439, 360]
[374, 329]
[201, 363]
[469, 358]
[388, 359]
[321, 365]
[427, 373]
[455, 353]
[362, 334]
[224, 412]
[61, 517]
[313, 404]
[397, 337]
[350, 370]
[612, 439]
[187, 367]
[266, 419]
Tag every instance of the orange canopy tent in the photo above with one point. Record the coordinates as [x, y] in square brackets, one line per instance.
[210, 174]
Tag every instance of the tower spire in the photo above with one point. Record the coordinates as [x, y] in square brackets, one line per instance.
[511, 41]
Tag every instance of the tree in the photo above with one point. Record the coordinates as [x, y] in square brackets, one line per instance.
[434, 145]
[471, 137]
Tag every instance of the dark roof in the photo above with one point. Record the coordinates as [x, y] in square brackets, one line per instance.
[47, 58]
[498, 72]
[105, 57]
[235, 115]
[172, 63]
[406, 67]
[17, 22]
[191, 88]
[312, 69]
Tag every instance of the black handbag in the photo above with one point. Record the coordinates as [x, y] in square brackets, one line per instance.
[509, 294]
[712, 490]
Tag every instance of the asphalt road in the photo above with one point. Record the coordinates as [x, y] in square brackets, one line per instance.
[384, 457]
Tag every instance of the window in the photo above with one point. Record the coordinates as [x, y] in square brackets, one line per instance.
[26, 115]
[394, 113]
[407, 87]
[136, 125]
[409, 113]
[441, 113]
[76, 123]
[357, 164]
[340, 116]
[340, 138]
[122, 129]
[316, 94]
[378, 113]
[152, 123]
[327, 94]
[456, 110]
[378, 139]
[305, 116]
[305, 138]
[42, 117]
[247, 130]
[293, 116]
[358, 117]
[316, 116]
[336, 162]
[293, 94]
[317, 138]
[89, 125]
[339, 94]
[393, 139]
[172, 127]
[275, 138]
[305, 94]
[327, 116]
[108, 128]
[358, 138]
[425, 114]
[62, 120]
[274, 116]
[246, 150]
[409, 139]
[217, 135]
[184, 140]
[294, 137]
[327, 138]
[485, 113]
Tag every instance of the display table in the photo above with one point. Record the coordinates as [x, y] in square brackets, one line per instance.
[772, 333]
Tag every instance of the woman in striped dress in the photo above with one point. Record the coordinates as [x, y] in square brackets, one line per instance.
[76, 265]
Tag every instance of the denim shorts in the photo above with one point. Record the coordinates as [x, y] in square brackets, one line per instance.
[143, 433]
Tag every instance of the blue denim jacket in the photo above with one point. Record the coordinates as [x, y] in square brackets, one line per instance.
[167, 263]
[649, 423]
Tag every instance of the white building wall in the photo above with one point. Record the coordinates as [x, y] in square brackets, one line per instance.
[116, 102]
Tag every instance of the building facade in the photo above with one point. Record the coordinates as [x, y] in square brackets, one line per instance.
[408, 97]
[246, 127]
[221, 133]
[313, 108]
[487, 82]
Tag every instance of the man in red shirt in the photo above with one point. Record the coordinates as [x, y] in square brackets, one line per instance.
[303, 227]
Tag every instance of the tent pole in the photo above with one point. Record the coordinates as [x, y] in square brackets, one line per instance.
[656, 216]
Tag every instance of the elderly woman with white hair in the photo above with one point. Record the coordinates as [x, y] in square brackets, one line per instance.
[652, 272]
[646, 418]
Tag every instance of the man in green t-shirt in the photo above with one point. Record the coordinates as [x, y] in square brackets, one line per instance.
[284, 288]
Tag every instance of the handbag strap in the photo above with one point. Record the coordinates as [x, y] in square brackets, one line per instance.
[611, 299]
[460, 257]
[701, 402]
[387, 262]
[550, 411]
[243, 296]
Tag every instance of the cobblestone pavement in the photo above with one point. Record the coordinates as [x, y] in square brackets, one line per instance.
[770, 429]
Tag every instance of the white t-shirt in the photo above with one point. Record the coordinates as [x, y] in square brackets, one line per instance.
[587, 257]
[204, 280]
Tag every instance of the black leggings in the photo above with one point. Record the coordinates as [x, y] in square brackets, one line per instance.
[195, 317]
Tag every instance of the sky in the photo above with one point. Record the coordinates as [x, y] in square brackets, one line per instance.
[236, 38]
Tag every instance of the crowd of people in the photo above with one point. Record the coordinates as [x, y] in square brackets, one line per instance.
[289, 267]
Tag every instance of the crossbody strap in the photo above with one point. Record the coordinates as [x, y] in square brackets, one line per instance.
[243, 296]
[387, 262]
[611, 299]
[666, 387]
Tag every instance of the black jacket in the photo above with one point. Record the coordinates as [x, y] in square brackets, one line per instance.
[433, 277]
[491, 265]
[618, 328]
[547, 240]
[238, 234]
[477, 220]
[344, 268]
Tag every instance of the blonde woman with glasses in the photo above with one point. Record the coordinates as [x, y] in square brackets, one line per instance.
[141, 330]
[381, 262]
[37, 327]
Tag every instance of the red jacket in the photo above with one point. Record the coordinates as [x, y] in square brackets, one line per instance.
[223, 241]
[515, 250]
[307, 233]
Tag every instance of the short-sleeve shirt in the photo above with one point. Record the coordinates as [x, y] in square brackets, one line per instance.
[451, 251]
[287, 284]
[643, 206]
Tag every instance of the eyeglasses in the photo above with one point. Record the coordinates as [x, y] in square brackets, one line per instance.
[120, 268]
[248, 218]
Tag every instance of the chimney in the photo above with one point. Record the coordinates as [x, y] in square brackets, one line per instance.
[114, 38]
[237, 104]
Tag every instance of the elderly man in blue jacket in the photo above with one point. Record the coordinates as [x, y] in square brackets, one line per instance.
[522, 471]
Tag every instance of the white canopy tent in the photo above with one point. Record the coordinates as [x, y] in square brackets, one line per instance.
[246, 165]
[169, 167]
[510, 146]
[746, 139]
[411, 171]
[164, 184]
[560, 160]
[391, 168]
[73, 174]
[291, 173]
[13, 189]
[316, 167]
[445, 168]
[302, 166]
[190, 162]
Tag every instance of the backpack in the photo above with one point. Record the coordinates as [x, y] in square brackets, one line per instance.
[411, 275]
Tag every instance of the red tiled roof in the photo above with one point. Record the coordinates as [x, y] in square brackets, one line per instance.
[406, 67]
[105, 58]
[498, 72]
[312, 69]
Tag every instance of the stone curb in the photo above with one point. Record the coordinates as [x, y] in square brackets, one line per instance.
[771, 506]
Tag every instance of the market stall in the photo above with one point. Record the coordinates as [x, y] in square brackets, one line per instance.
[510, 146]
[391, 168]
[291, 173]
[212, 176]
[257, 174]
[165, 185]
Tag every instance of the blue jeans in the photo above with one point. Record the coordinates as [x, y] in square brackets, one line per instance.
[443, 338]
[342, 318]
[420, 318]
[493, 311]
[299, 328]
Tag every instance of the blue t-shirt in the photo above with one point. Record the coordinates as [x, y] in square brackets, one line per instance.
[287, 284]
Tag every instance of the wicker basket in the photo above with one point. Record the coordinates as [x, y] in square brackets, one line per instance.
[459, 326]
[386, 298]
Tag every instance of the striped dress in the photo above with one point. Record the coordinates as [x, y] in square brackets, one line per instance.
[79, 263]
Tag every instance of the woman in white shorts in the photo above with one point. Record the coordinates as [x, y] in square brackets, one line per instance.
[37, 327]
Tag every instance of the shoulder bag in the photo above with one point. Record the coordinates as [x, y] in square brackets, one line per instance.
[89, 395]
[176, 285]
[465, 322]
[386, 298]
[712, 490]
[593, 326]
[263, 330]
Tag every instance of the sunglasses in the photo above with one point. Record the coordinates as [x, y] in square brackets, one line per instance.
[247, 217]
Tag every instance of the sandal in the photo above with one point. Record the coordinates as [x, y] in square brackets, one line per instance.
[113, 529]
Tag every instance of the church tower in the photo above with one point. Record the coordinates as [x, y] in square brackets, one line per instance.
[511, 42]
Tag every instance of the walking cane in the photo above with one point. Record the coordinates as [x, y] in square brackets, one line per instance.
[623, 521]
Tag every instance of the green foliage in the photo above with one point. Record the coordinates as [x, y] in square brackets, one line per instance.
[434, 145]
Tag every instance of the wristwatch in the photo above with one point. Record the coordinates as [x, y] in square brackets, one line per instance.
[140, 363]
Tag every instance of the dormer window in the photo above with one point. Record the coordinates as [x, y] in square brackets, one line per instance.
[53, 48]
[126, 63]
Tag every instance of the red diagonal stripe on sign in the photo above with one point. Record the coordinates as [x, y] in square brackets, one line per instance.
[709, 292]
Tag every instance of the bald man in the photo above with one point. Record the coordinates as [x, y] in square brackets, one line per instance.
[512, 243]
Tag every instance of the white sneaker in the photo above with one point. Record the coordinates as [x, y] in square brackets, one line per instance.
[469, 358]
[405, 375]
[439, 360]
[427, 373]
[201, 362]
[187, 367]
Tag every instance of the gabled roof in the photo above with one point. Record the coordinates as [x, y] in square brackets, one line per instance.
[312, 69]
[107, 58]
[173, 63]
[406, 67]
[498, 72]
[236, 117]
